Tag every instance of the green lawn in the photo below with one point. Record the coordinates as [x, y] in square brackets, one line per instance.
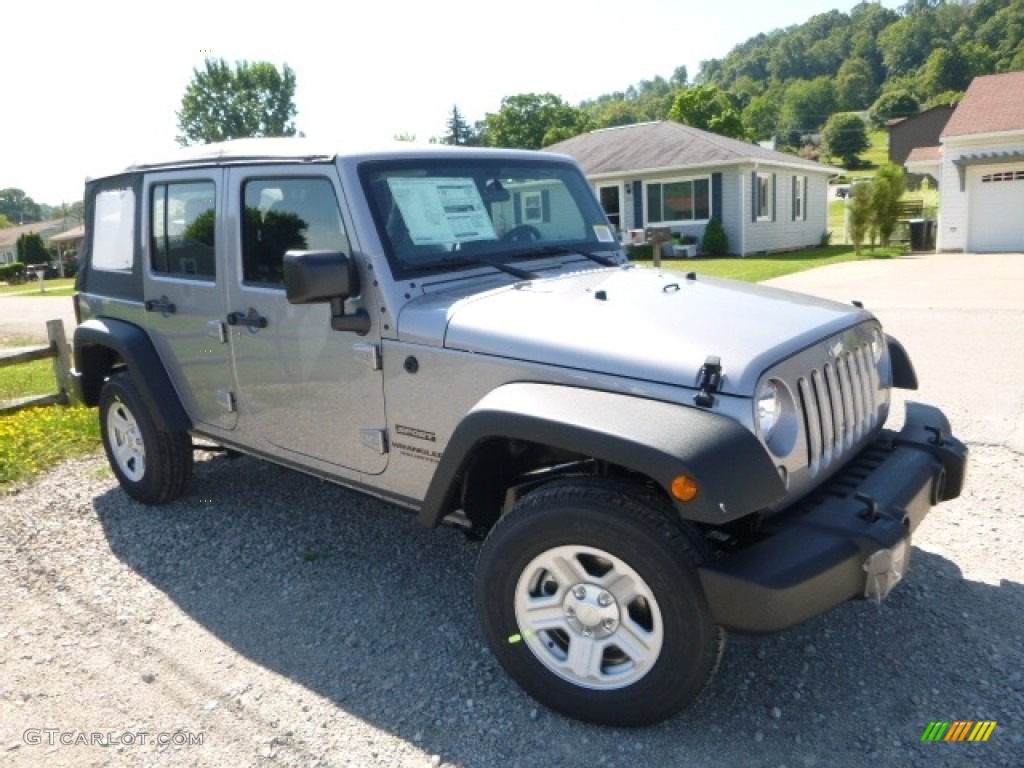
[754, 269]
[55, 287]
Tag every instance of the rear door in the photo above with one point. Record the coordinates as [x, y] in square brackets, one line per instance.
[310, 392]
[184, 290]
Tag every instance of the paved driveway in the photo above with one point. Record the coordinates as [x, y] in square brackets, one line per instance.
[961, 318]
[25, 316]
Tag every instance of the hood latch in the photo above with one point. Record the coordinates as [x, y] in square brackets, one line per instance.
[710, 381]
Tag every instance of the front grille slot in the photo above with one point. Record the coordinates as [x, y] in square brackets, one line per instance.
[840, 403]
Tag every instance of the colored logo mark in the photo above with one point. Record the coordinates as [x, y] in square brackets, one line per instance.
[958, 730]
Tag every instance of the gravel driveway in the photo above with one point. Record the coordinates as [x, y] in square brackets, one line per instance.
[270, 619]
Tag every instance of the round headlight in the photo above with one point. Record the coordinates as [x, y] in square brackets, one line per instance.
[768, 408]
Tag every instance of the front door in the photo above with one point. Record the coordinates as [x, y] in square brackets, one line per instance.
[184, 283]
[311, 392]
[610, 200]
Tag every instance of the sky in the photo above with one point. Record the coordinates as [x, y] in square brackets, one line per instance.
[90, 87]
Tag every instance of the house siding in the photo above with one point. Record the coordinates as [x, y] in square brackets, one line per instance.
[783, 233]
[954, 217]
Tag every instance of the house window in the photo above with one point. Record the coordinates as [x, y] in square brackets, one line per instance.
[533, 208]
[1004, 176]
[799, 198]
[679, 200]
[764, 205]
[113, 230]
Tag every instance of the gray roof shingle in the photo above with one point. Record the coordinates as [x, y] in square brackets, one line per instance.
[667, 145]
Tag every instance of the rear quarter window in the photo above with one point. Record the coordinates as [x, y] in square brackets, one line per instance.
[113, 230]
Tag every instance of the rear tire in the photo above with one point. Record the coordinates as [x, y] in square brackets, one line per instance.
[588, 594]
[151, 465]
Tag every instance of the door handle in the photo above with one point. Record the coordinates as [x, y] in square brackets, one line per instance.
[163, 304]
[250, 319]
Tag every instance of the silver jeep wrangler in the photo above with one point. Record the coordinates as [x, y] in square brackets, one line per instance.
[650, 457]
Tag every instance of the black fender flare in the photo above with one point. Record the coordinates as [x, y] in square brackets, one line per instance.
[657, 439]
[132, 345]
[903, 374]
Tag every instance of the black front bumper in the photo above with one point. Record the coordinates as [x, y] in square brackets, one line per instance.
[849, 540]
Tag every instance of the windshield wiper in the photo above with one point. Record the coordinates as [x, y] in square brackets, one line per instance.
[558, 250]
[468, 261]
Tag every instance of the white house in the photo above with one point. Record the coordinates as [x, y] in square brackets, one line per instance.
[980, 167]
[669, 174]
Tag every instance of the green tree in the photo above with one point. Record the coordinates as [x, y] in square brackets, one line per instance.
[532, 121]
[845, 136]
[945, 70]
[221, 103]
[18, 207]
[807, 104]
[460, 133]
[762, 117]
[854, 84]
[858, 215]
[709, 109]
[886, 190]
[31, 249]
[5, 222]
[897, 103]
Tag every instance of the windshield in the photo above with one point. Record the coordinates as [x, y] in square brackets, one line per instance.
[442, 213]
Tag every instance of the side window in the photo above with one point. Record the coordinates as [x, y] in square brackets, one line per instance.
[113, 230]
[182, 221]
[287, 214]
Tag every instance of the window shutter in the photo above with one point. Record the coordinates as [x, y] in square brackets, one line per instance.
[716, 196]
[794, 194]
[803, 200]
[774, 197]
[517, 207]
[754, 196]
[545, 205]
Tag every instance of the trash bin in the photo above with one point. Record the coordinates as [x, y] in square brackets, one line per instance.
[918, 231]
[931, 229]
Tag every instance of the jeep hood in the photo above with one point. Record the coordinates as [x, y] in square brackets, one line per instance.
[646, 324]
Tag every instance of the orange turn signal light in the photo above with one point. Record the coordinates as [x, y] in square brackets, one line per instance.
[684, 488]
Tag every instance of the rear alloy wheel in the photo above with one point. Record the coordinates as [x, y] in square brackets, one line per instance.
[153, 466]
[588, 593]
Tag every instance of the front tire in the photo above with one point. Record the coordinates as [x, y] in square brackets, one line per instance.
[588, 594]
[151, 465]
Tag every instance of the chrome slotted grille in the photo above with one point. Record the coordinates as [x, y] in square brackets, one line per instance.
[842, 403]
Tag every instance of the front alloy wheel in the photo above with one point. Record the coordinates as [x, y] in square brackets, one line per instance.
[588, 593]
[589, 617]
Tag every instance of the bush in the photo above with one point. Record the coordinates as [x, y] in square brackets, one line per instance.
[716, 241]
[642, 252]
[12, 273]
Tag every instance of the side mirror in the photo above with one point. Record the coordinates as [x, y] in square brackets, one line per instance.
[312, 277]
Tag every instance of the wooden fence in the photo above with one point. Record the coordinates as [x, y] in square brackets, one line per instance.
[57, 349]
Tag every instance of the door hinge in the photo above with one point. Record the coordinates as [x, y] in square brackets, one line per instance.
[226, 399]
[376, 439]
[368, 354]
[217, 330]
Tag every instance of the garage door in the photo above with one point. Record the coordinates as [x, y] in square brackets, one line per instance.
[996, 208]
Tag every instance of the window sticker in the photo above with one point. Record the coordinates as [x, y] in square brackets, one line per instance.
[442, 210]
[604, 233]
